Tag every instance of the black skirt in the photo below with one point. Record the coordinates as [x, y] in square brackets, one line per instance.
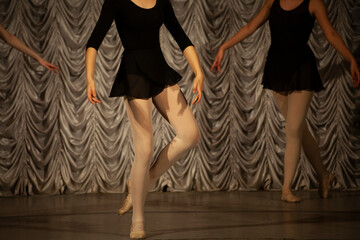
[291, 69]
[143, 74]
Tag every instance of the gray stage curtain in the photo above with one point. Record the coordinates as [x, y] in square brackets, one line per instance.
[53, 141]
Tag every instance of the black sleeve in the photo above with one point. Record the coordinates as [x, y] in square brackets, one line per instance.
[174, 27]
[103, 25]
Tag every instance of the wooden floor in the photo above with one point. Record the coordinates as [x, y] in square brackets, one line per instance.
[218, 215]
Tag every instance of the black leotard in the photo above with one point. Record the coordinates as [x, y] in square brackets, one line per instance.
[143, 70]
[290, 64]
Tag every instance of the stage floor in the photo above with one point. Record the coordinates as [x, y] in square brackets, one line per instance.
[193, 215]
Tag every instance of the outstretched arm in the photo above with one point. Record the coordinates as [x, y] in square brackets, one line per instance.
[193, 60]
[243, 33]
[16, 43]
[317, 8]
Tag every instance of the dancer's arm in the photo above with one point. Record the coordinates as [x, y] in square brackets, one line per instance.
[193, 60]
[243, 33]
[16, 43]
[90, 60]
[101, 28]
[172, 24]
[317, 8]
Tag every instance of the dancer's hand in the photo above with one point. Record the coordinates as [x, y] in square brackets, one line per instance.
[218, 59]
[198, 88]
[49, 66]
[91, 93]
[354, 69]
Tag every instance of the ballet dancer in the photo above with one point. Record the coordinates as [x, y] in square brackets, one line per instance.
[145, 78]
[291, 73]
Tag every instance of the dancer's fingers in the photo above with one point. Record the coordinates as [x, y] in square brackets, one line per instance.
[357, 78]
[195, 100]
[199, 97]
[96, 100]
[90, 97]
[55, 68]
[93, 94]
[213, 65]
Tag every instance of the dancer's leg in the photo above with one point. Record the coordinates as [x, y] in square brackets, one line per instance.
[297, 107]
[172, 105]
[310, 147]
[139, 113]
[312, 152]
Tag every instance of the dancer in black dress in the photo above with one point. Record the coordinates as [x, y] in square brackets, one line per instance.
[291, 73]
[145, 78]
[19, 45]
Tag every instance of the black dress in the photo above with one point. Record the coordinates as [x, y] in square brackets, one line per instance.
[143, 71]
[290, 64]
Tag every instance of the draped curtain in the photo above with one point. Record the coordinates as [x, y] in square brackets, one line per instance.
[53, 141]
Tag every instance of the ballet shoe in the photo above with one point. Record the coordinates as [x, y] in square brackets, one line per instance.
[290, 198]
[137, 234]
[324, 185]
[127, 204]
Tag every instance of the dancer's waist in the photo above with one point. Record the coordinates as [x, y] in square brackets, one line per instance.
[143, 50]
[289, 47]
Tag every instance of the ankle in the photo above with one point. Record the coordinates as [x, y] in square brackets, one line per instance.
[324, 175]
[138, 225]
[137, 220]
[286, 191]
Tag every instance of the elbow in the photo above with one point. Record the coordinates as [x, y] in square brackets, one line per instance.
[91, 46]
[332, 36]
[249, 29]
[187, 48]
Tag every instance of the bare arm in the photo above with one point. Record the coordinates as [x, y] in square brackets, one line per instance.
[90, 60]
[243, 33]
[317, 8]
[193, 60]
[16, 43]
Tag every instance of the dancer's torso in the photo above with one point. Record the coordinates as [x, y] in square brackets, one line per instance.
[290, 29]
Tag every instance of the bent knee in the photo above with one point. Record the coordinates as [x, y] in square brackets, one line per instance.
[191, 137]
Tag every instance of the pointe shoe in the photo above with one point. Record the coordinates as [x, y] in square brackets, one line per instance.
[290, 198]
[137, 230]
[324, 185]
[127, 204]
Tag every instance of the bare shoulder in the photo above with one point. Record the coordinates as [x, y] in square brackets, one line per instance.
[316, 2]
[315, 5]
[268, 3]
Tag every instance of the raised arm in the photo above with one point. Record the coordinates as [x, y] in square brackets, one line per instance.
[243, 33]
[188, 49]
[101, 28]
[317, 9]
[16, 43]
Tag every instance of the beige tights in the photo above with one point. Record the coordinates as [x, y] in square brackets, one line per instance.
[174, 108]
[294, 107]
